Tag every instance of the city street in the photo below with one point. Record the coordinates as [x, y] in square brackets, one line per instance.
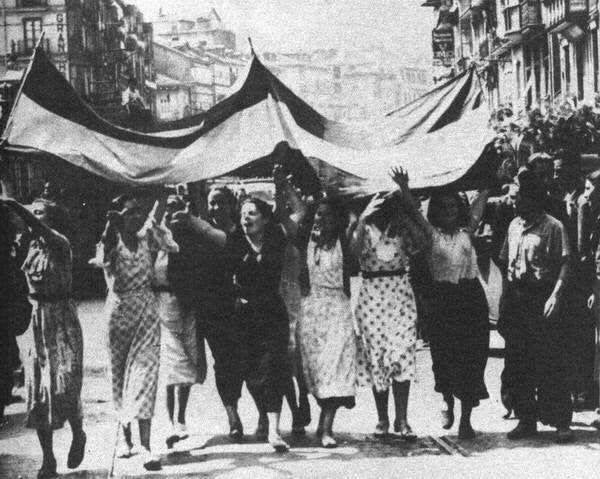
[208, 453]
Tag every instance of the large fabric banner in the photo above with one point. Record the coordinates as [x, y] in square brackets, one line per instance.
[439, 137]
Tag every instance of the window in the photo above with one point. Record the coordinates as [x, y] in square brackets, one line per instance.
[32, 31]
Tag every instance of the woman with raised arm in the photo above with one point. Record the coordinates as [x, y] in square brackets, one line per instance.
[325, 328]
[127, 252]
[182, 355]
[386, 313]
[53, 343]
[458, 325]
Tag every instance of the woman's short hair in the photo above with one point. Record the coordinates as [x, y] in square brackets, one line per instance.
[263, 207]
[227, 194]
[339, 212]
[531, 187]
[56, 216]
[434, 210]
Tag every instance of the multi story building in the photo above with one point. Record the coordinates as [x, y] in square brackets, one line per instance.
[348, 86]
[97, 44]
[531, 52]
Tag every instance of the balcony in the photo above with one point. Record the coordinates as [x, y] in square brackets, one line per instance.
[531, 17]
[561, 14]
[23, 48]
[32, 3]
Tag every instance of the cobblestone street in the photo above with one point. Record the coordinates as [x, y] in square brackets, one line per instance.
[208, 452]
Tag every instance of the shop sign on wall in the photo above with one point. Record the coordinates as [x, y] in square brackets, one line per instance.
[443, 47]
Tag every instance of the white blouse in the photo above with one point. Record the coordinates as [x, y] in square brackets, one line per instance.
[453, 256]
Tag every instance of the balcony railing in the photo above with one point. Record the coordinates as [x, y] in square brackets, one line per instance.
[22, 48]
[531, 15]
[31, 3]
[556, 12]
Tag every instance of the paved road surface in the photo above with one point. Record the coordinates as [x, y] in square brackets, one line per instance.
[208, 453]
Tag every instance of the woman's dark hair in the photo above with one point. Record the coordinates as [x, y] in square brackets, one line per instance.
[229, 198]
[382, 217]
[436, 205]
[57, 216]
[262, 206]
[531, 187]
[340, 215]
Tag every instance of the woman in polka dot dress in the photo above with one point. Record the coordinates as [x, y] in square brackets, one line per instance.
[386, 312]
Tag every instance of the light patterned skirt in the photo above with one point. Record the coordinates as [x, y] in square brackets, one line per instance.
[328, 344]
[134, 336]
[53, 361]
[181, 363]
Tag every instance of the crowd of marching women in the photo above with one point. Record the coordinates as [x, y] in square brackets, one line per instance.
[268, 289]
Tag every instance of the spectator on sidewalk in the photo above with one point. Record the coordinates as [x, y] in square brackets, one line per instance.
[536, 256]
[54, 341]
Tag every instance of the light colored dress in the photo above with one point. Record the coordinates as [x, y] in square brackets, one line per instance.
[386, 314]
[134, 324]
[325, 329]
[53, 344]
[179, 356]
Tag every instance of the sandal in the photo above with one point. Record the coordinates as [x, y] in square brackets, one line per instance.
[151, 461]
[77, 450]
[382, 428]
[328, 442]
[278, 444]
[405, 431]
[236, 432]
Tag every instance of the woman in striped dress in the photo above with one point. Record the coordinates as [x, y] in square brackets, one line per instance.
[53, 344]
[128, 245]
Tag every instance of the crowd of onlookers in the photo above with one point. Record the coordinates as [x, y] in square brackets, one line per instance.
[267, 288]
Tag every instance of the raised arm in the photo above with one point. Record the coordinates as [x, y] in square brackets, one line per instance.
[412, 206]
[286, 195]
[37, 227]
[200, 226]
[358, 232]
[477, 209]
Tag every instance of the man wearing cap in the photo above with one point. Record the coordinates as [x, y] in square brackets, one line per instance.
[535, 256]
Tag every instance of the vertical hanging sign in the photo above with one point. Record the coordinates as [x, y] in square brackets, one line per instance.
[443, 47]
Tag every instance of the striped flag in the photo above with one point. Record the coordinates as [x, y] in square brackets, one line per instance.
[439, 137]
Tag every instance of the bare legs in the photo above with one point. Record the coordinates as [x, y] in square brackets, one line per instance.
[448, 413]
[76, 453]
[48, 468]
[400, 392]
[274, 436]
[151, 462]
[326, 426]
[178, 430]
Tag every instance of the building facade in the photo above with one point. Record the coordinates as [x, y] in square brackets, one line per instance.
[348, 86]
[531, 53]
[98, 45]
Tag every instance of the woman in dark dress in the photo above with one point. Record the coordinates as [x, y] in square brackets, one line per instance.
[458, 324]
[258, 249]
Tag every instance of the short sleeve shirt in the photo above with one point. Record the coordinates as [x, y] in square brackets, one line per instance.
[534, 252]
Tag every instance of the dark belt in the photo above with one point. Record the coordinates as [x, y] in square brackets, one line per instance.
[162, 289]
[49, 298]
[382, 274]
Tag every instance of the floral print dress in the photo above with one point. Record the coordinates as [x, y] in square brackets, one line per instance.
[53, 344]
[325, 329]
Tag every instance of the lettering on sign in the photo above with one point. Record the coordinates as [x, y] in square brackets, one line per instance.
[577, 6]
[443, 47]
